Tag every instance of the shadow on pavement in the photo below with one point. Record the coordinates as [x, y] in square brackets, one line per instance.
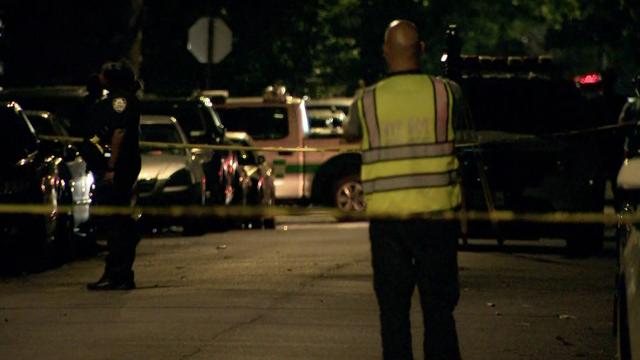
[530, 247]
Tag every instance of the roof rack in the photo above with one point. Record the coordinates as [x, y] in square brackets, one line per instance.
[457, 64]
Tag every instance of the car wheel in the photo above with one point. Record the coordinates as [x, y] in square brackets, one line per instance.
[269, 223]
[623, 343]
[44, 235]
[194, 226]
[66, 246]
[252, 224]
[349, 195]
[586, 241]
[11, 254]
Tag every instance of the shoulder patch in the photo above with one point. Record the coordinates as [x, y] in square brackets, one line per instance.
[119, 104]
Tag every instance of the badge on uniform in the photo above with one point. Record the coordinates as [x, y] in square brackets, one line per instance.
[119, 104]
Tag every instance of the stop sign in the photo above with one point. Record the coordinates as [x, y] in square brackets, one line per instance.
[200, 39]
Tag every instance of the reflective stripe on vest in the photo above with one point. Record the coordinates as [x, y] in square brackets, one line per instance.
[413, 181]
[407, 152]
[370, 116]
[441, 101]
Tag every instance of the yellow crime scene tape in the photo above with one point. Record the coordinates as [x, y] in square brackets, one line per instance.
[255, 211]
[163, 145]
[503, 216]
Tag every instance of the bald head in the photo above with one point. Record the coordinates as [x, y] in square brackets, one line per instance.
[402, 46]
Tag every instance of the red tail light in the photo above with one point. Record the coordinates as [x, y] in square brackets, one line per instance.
[588, 79]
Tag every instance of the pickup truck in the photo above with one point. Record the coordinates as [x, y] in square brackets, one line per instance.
[277, 119]
[541, 145]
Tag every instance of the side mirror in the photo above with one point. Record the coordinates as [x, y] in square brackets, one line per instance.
[218, 137]
[629, 175]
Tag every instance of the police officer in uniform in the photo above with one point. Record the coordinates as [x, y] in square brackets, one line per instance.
[117, 119]
[409, 173]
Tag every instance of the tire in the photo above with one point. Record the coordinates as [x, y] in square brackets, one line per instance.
[194, 226]
[11, 255]
[269, 223]
[252, 224]
[348, 195]
[66, 245]
[623, 343]
[587, 240]
[87, 239]
[44, 239]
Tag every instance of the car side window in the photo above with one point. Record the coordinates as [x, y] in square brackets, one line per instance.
[262, 123]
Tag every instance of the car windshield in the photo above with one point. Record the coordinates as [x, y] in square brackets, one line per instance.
[166, 133]
[17, 138]
[193, 116]
[46, 125]
[263, 123]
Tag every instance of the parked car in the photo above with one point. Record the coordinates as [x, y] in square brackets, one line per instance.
[67, 102]
[196, 116]
[256, 180]
[277, 119]
[201, 125]
[80, 181]
[627, 299]
[170, 176]
[37, 172]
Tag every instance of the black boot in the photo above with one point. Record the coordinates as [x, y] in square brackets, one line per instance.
[113, 283]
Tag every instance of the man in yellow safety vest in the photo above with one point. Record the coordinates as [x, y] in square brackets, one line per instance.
[409, 173]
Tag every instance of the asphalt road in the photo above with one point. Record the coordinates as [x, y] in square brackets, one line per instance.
[302, 291]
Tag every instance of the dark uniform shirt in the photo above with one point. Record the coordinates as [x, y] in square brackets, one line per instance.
[121, 111]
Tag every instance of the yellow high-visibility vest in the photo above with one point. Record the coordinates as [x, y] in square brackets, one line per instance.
[409, 166]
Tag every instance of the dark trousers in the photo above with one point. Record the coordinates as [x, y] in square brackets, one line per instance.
[406, 254]
[122, 231]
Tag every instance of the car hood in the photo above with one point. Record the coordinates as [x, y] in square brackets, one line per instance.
[161, 166]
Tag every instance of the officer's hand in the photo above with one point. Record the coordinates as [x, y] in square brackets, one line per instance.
[108, 176]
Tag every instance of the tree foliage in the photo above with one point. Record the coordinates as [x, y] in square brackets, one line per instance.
[314, 47]
[325, 47]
